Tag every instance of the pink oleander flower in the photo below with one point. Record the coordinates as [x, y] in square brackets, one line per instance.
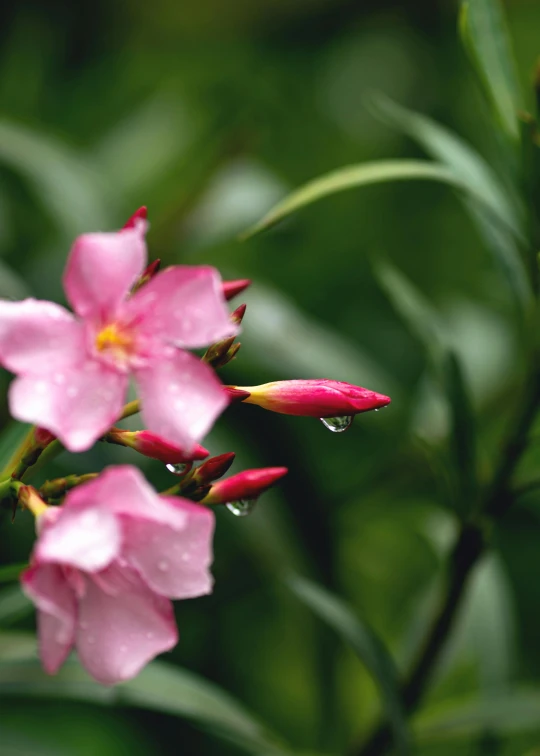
[103, 570]
[249, 484]
[73, 370]
[312, 398]
[155, 447]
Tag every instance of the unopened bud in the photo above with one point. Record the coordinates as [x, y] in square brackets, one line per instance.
[147, 275]
[233, 288]
[313, 398]
[238, 315]
[139, 215]
[155, 447]
[246, 485]
[213, 468]
[215, 353]
[236, 394]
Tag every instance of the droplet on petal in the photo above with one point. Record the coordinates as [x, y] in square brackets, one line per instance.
[337, 424]
[163, 565]
[179, 468]
[242, 507]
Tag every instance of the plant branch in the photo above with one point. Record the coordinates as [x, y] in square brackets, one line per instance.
[470, 544]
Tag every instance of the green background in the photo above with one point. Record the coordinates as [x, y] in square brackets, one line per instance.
[208, 113]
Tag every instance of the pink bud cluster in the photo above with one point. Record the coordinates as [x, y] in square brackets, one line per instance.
[111, 552]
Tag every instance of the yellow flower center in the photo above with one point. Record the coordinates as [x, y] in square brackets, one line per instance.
[115, 340]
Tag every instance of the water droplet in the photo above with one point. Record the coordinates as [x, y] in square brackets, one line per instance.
[83, 625]
[242, 507]
[163, 565]
[177, 469]
[123, 649]
[186, 557]
[149, 636]
[337, 424]
[91, 639]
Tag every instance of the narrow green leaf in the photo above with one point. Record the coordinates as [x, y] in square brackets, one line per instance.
[161, 687]
[11, 572]
[462, 433]
[456, 154]
[514, 710]
[353, 176]
[485, 37]
[498, 217]
[419, 315]
[369, 648]
[10, 439]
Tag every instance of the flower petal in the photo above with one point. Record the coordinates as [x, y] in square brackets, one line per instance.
[122, 629]
[37, 337]
[181, 397]
[185, 305]
[78, 404]
[101, 270]
[123, 490]
[87, 538]
[173, 561]
[46, 586]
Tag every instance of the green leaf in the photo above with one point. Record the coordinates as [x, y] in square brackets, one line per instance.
[485, 36]
[10, 439]
[498, 217]
[160, 687]
[462, 433]
[353, 176]
[418, 314]
[11, 572]
[368, 647]
[514, 710]
[17, 646]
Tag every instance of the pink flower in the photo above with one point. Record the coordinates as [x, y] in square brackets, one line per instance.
[248, 484]
[312, 398]
[103, 570]
[151, 445]
[74, 369]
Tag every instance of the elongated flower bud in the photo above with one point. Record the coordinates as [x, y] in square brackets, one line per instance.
[233, 288]
[312, 398]
[248, 484]
[147, 275]
[153, 446]
[238, 315]
[213, 468]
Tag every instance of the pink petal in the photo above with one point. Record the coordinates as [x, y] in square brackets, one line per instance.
[101, 270]
[181, 397]
[88, 538]
[46, 586]
[184, 305]
[122, 629]
[78, 404]
[37, 337]
[173, 561]
[123, 490]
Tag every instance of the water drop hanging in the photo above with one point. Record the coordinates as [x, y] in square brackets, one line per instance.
[177, 469]
[242, 507]
[337, 424]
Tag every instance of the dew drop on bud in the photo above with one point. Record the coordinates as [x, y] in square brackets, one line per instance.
[177, 469]
[242, 507]
[337, 424]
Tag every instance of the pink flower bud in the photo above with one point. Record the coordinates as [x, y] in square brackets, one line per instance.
[154, 446]
[214, 468]
[140, 214]
[236, 394]
[313, 398]
[238, 315]
[147, 275]
[233, 288]
[245, 485]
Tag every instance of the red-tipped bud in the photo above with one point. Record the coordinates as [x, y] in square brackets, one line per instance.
[43, 437]
[238, 315]
[139, 215]
[216, 353]
[155, 447]
[313, 398]
[213, 468]
[236, 394]
[147, 275]
[246, 485]
[233, 288]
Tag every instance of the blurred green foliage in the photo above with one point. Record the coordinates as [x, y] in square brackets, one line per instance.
[210, 113]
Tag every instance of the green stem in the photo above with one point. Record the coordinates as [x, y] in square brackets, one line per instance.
[471, 543]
